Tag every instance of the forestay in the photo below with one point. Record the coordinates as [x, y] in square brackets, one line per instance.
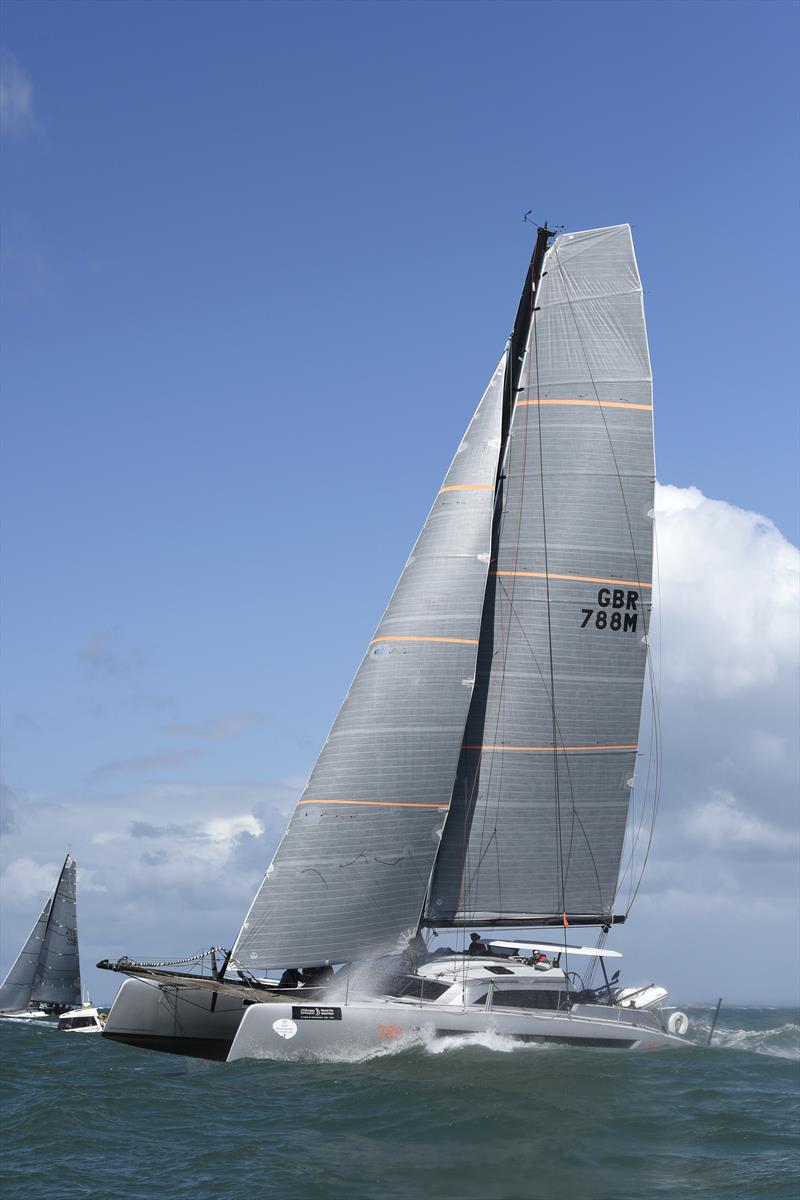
[540, 802]
[349, 878]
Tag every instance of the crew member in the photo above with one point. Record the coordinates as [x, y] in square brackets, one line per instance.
[476, 946]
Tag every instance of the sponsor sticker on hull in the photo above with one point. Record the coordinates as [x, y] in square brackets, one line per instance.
[284, 1027]
[315, 1012]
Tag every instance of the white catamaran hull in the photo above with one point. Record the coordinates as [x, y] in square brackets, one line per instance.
[180, 1021]
[177, 1020]
[286, 1031]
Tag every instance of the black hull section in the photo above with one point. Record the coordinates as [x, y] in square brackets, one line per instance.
[214, 1049]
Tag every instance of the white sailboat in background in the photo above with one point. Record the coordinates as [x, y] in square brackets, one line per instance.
[45, 979]
[480, 769]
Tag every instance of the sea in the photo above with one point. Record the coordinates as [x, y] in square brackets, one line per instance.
[479, 1118]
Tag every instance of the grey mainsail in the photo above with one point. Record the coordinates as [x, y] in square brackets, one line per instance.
[540, 801]
[47, 968]
[350, 875]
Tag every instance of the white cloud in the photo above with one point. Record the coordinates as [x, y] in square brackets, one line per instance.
[721, 823]
[29, 881]
[724, 860]
[16, 98]
[729, 585]
[223, 831]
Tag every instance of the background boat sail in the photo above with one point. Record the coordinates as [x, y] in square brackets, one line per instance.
[46, 975]
[480, 768]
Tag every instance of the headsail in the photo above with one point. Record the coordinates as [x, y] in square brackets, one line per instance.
[15, 992]
[350, 875]
[47, 968]
[540, 802]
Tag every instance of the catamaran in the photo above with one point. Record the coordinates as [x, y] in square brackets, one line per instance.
[479, 772]
[45, 979]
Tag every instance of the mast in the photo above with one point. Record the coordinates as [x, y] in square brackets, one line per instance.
[521, 329]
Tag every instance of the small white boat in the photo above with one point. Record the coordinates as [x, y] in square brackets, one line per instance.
[85, 1019]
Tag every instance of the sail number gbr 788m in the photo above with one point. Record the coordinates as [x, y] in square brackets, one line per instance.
[617, 610]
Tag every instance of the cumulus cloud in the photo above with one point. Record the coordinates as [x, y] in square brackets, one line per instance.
[16, 98]
[164, 868]
[724, 860]
[27, 880]
[729, 585]
[722, 824]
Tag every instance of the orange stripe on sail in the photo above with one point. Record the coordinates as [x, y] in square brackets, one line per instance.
[467, 487]
[411, 637]
[542, 749]
[586, 403]
[378, 803]
[577, 578]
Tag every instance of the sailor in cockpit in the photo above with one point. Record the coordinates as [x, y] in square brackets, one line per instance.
[476, 946]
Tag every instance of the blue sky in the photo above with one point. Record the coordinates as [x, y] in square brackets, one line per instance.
[258, 264]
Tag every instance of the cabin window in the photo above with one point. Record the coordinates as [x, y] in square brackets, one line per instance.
[78, 1023]
[523, 998]
[498, 970]
[423, 989]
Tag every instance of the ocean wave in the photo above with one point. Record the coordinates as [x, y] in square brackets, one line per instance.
[487, 1040]
[782, 1041]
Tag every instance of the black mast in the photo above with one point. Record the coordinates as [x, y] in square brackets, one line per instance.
[519, 334]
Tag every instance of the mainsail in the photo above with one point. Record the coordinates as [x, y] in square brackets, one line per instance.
[350, 875]
[540, 801]
[47, 968]
[479, 770]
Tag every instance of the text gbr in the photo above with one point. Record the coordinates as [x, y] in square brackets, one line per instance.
[623, 612]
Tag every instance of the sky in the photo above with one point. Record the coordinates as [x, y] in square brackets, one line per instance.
[258, 264]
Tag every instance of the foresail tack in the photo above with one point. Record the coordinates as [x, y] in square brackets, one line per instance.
[47, 968]
[540, 803]
[349, 878]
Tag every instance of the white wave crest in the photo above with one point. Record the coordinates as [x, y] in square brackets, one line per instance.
[781, 1042]
[487, 1039]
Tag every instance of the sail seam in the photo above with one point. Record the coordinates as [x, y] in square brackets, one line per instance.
[377, 803]
[568, 578]
[467, 487]
[413, 637]
[551, 748]
[586, 404]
